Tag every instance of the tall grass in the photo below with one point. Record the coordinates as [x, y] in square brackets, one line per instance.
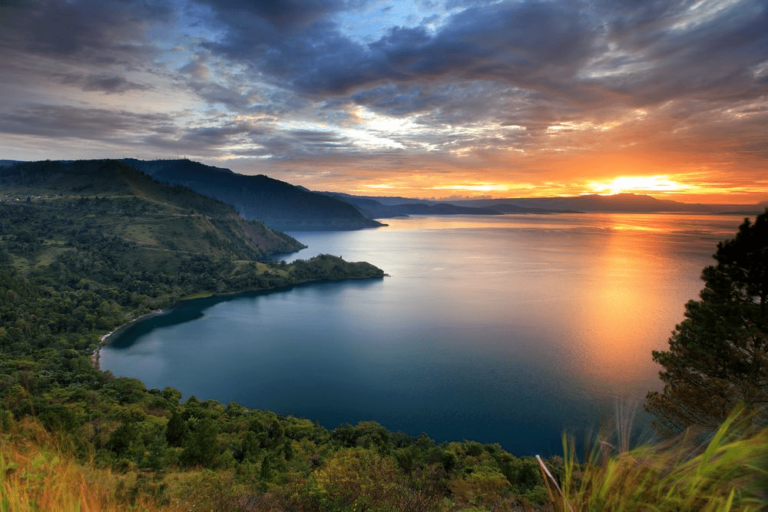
[36, 476]
[727, 473]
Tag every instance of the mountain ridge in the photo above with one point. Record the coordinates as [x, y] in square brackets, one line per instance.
[277, 204]
[376, 209]
[133, 206]
[618, 203]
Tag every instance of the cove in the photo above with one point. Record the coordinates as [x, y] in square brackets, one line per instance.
[498, 329]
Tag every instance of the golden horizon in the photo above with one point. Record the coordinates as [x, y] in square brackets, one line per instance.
[661, 187]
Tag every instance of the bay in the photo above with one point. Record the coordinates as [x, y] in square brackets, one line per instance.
[507, 329]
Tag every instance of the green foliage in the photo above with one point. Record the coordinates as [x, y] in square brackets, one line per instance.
[176, 430]
[725, 474]
[718, 356]
[201, 448]
[123, 438]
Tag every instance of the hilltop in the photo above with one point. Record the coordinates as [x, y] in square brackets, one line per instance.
[277, 204]
[118, 200]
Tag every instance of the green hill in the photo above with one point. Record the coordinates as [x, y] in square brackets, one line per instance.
[113, 198]
[276, 203]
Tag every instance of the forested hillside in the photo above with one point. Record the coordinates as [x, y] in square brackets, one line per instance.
[276, 203]
[114, 199]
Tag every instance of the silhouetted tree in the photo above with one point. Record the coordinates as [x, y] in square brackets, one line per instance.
[718, 356]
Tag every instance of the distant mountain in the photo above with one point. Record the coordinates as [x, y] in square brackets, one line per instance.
[629, 203]
[277, 204]
[159, 219]
[386, 207]
[6, 163]
[382, 207]
[511, 208]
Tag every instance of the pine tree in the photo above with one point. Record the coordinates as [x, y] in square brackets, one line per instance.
[718, 356]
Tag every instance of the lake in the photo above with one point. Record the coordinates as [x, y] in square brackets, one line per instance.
[504, 329]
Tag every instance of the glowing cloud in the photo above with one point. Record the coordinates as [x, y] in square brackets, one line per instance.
[628, 184]
[477, 187]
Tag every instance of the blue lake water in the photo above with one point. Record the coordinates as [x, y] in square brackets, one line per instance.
[504, 329]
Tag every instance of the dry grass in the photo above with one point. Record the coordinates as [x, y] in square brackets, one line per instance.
[36, 476]
[728, 473]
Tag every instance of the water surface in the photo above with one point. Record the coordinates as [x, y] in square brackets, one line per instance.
[499, 329]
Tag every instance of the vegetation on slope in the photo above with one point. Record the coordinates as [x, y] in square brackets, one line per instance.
[278, 204]
[116, 200]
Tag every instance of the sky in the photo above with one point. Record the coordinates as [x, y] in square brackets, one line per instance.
[421, 98]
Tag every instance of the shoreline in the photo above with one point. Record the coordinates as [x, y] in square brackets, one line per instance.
[104, 339]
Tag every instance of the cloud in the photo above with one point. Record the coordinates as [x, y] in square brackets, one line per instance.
[109, 84]
[675, 52]
[520, 43]
[58, 121]
[282, 14]
[101, 31]
[605, 54]
[520, 87]
[203, 140]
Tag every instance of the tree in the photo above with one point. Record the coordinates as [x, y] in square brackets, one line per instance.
[201, 447]
[176, 430]
[122, 438]
[718, 355]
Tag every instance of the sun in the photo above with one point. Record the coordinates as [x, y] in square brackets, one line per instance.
[642, 184]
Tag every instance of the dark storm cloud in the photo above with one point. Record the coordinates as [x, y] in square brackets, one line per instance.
[282, 14]
[520, 42]
[573, 55]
